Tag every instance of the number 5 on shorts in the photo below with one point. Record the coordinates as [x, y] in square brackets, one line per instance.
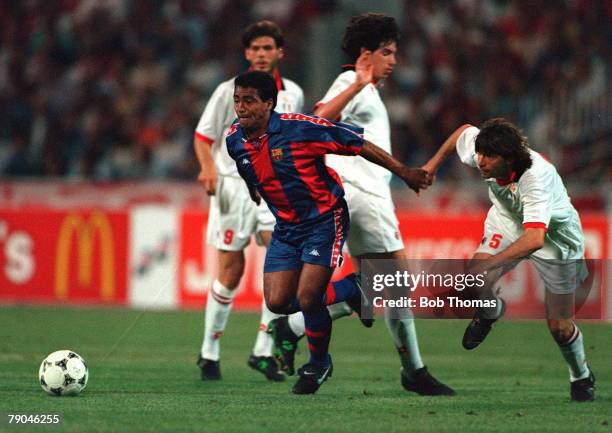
[495, 240]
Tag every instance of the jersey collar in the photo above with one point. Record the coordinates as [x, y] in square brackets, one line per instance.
[504, 182]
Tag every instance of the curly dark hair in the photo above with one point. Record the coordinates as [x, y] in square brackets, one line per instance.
[262, 28]
[500, 137]
[370, 31]
[262, 81]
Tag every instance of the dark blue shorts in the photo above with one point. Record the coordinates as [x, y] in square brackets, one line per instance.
[318, 242]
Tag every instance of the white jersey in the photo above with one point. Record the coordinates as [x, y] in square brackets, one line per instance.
[219, 115]
[538, 199]
[367, 111]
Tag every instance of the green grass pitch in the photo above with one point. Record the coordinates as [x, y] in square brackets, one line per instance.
[143, 377]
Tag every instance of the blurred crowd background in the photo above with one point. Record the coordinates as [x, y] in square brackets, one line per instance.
[111, 90]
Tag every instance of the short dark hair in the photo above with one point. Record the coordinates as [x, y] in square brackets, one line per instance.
[262, 82]
[370, 31]
[500, 137]
[262, 28]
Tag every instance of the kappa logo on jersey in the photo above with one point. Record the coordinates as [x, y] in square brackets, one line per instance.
[277, 154]
[314, 253]
[245, 161]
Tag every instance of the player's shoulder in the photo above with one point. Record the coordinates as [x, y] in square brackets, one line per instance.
[233, 138]
[540, 170]
[344, 79]
[348, 75]
[469, 133]
[290, 121]
[232, 132]
[225, 87]
[291, 86]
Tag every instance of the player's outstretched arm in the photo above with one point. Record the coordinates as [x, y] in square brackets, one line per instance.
[415, 178]
[364, 74]
[447, 149]
[208, 173]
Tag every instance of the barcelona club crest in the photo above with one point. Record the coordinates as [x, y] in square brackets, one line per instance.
[277, 154]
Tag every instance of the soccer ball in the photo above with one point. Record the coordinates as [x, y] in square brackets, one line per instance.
[63, 373]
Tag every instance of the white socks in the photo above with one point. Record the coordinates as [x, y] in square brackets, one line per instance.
[264, 342]
[218, 307]
[573, 352]
[296, 320]
[404, 336]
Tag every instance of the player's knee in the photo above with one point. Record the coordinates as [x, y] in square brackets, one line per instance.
[277, 304]
[277, 307]
[560, 330]
[309, 303]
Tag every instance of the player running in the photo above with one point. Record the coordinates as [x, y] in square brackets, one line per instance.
[370, 40]
[531, 217]
[281, 158]
[233, 217]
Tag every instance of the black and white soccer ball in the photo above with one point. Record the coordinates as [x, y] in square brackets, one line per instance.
[63, 373]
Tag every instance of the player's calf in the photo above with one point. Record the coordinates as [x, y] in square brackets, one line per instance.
[571, 344]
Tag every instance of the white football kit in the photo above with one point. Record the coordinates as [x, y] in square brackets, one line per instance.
[233, 216]
[374, 226]
[537, 199]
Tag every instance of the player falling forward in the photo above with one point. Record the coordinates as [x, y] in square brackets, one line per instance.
[370, 40]
[531, 217]
[281, 158]
[233, 217]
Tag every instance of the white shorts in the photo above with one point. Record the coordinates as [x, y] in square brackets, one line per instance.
[233, 217]
[374, 226]
[560, 262]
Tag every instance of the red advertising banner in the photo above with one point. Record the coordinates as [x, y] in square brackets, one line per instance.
[425, 237]
[198, 266]
[54, 256]
[81, 256]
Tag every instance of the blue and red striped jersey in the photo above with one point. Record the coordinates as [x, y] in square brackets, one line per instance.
[287, 163]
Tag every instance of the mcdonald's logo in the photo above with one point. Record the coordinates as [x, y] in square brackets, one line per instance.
[84, 231]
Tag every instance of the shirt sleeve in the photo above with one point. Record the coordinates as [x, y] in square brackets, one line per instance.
[217, 115]
[466, 146]
[340, 85]
[345, 139]
[321, 135]
[232, 137]
[536, 198]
